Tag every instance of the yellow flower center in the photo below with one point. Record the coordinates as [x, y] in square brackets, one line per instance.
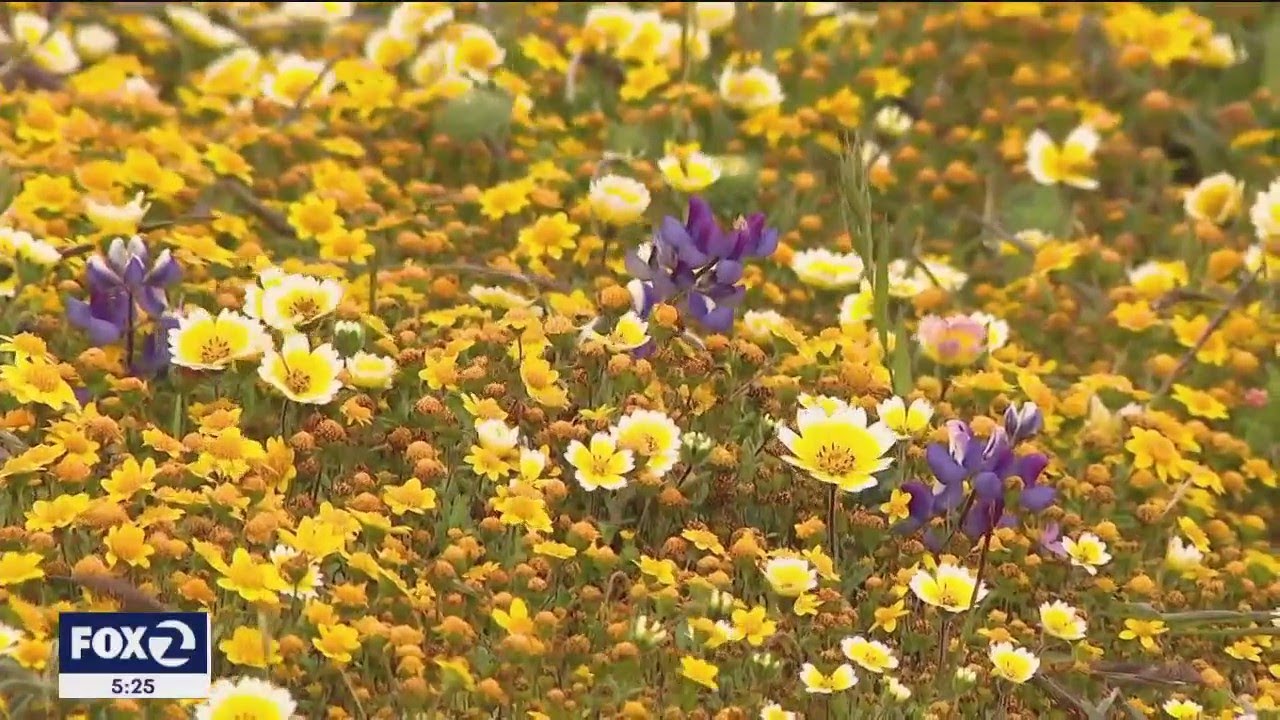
[297, 381]
[214, 350]
[835, 460]
[240, 707]
[44, 378]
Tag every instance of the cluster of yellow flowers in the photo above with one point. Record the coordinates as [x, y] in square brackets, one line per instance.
[646, 360]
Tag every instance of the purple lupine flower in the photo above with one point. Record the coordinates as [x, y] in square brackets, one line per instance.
[697, 264]
[128, 265]
[121, 283]
[985, 464]
[1051, 540]
[1022, 423]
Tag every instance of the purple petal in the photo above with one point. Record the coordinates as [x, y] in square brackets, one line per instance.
[676, 235]
[1037, 497]
[100, 331]
[1029, 467]
[921, 503]
[134, 272]
[944, 466]
[636, 267]
[84, 395]
[100, 275]
[766, 244]
[988, 486]
[166, 271]
[728, 272]
[717, 318]
[983, 517]
[153, 301]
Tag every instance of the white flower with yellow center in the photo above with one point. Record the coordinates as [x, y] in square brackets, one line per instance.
[17, 246]
[840, 448]
[872, 655]
[790, 577]
[826, 403]
[496, 435]
[772, 711]
[50, 48]
[1155, 278]
[246, 698]
[649, 40]
[476, 50]
[1015, 664]
[414, 19]
[618, 200]
[1220, 51]
[499, 297]
[1088, 552]
[1265, 212]
[304, 585]
[608, 26]
[117, 219]
[896, 689]
[859, 307]
[1062, 621]
[905, 280]
[750, 89]
[531, 465]
[302, 374]
[297, 81]
[289, 302]
[691, 173]
[1216, 199]
[944, 275]
[1188, 710]
[948, 587]
[1070, 164]
[652, 435]
[829, 270]
[326, 12]
[997, 329]
[761, 325]
[1030, 239]
[892, 121]
[819, 683]
[95, 41]
[601, 464]
[371, 372]
[202, 341]
[9, 638]
[1182, 557]
[629, 332]
[903, 420]
[714, 16]
[1254, 257]
[232, 75]
[197, 26]
[388, 48]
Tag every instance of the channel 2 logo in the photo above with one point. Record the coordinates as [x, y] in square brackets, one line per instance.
[133, 655]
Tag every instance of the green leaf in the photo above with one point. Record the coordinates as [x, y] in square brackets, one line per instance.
[1031, 205]
[900, 367]
[1271, 54]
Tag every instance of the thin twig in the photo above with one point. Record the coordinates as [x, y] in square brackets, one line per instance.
[296, 111]
[170, 222]
[534, 281]
[269, 217]
[1232, 303]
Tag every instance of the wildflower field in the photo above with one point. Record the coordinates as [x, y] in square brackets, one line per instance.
[715, 360]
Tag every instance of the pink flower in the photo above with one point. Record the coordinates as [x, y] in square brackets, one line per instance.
[956, 340]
